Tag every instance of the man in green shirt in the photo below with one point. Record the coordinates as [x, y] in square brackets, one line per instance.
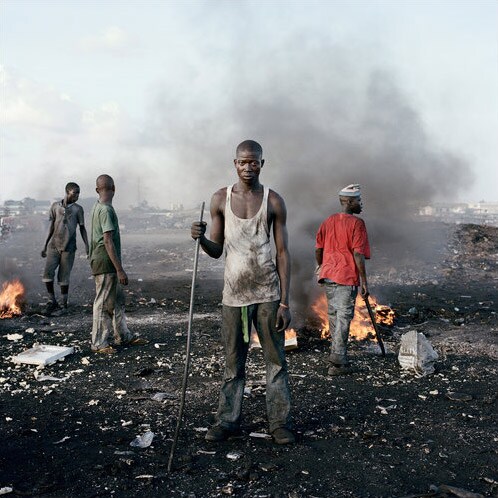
[105, 261]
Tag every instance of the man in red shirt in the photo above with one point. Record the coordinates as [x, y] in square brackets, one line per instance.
[341, 249]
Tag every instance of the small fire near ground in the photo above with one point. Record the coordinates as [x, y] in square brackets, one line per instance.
[11, 299]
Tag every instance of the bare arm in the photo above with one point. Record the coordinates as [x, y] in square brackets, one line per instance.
[84, 236]
[213, 247]
[49, 236]
[113, 256]
[279, 214]
[359, 260]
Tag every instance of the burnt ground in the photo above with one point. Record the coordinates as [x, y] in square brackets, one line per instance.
[380, 433]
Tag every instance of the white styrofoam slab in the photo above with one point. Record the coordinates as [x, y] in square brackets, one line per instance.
[42, 354]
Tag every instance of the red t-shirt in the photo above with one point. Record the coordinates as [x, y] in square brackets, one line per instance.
[340, 236]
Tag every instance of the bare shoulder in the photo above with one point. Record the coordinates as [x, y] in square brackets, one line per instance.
[276, 204]
[219, 198]
[276, 200]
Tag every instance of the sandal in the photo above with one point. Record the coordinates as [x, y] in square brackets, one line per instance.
[137, 341]
[106, 350]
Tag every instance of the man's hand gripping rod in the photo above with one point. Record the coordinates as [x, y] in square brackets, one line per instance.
[187, 354]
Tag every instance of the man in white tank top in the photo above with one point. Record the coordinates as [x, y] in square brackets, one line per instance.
[256, 291]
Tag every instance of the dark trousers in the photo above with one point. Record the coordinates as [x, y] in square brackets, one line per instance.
[272, 343]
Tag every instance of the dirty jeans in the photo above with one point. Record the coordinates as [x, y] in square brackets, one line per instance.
[341, 300]
[109, 312]
[263, 316]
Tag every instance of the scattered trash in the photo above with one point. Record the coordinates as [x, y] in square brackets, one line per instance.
[416, 353]
[163, 396]
[6, 490]
[124, 453]
[384, 410]
[85, 361]
[143, 441]
[205, 452]
[65, 438]
[14, 337]
[200, 429]
[261, 435]
[41, 377]
[30, 330]
[228, 489]
[93, 402]
[235, 455]
[42, 354]
[459, 396]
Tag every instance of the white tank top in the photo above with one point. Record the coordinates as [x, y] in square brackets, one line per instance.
[250, 274]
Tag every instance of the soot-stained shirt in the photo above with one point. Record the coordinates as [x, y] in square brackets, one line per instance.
[250, 274]
[66, 219]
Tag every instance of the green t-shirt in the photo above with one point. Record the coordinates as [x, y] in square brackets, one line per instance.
[104, 219]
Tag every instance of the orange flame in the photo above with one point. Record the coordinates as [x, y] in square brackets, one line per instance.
[290, 339]
[11, 299]
[361, 327]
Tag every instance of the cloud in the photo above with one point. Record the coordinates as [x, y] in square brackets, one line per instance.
[48, 138]
[113, 40]
[30, 105]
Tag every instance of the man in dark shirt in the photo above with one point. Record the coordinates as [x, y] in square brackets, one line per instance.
[60, 246]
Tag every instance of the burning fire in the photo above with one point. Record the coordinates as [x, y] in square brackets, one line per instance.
[361, 327]
[290, 339]
[11, 299]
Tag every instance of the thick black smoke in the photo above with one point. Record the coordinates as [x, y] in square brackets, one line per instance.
[323, 124]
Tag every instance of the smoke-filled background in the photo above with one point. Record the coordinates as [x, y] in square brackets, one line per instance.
[400, 98]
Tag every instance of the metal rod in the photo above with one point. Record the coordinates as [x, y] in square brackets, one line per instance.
[187, 354]
[374, 323]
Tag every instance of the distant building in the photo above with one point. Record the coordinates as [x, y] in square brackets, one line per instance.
[485, 207]
[42, 207]
[482, 213]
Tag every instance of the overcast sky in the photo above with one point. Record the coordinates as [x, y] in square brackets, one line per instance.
[159, 93]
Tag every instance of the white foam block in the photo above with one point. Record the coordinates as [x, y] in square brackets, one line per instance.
[42, 354]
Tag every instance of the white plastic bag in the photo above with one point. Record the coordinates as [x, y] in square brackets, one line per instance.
[416, 353]
[144, 440]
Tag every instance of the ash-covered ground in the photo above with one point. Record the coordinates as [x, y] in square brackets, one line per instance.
[379, 433]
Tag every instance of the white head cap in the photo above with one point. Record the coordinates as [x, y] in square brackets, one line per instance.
[353, 190]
